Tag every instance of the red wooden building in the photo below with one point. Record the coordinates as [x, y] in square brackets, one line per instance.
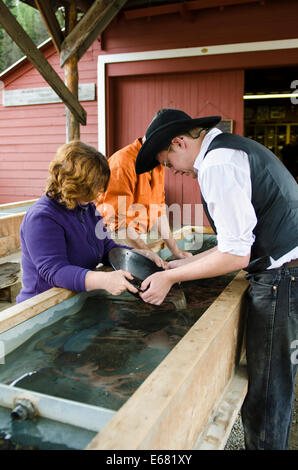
[186, 55]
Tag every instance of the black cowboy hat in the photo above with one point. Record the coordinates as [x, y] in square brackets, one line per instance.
[164, 127]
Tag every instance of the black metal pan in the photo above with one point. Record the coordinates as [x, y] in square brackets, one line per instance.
[140, 268]
[136, 264]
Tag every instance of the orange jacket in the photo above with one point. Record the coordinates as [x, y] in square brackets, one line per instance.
[131, 198]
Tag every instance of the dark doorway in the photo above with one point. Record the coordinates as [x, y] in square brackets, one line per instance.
[273, 121]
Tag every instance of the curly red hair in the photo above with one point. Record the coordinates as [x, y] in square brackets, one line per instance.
[78, 173]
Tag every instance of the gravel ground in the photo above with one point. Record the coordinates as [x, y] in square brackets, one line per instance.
[236, 439]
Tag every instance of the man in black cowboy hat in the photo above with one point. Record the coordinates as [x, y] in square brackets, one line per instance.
[251, 201]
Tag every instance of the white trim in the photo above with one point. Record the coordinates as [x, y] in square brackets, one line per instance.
[270, 96]
[172, 54]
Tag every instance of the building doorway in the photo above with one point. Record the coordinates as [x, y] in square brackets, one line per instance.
[272, 119]
[136, 98]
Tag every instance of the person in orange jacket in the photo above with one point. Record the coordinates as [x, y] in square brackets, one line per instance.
[135, 204]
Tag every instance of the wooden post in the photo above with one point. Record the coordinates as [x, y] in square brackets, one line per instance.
[72, 80]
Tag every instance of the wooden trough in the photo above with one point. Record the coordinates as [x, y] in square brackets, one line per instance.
[191, 400]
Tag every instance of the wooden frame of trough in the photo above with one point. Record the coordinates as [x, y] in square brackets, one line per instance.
[10, 226]
[191, 400]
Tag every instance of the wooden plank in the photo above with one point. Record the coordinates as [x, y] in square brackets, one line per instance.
[182, 391]
[71, 75]
[9, 293]
[9, 224]
[25, 43]
[218, 429]
[30, 308]
[176, 7]
[43, 95]
[7, 245]
[9, 273]
[93, 23]
[48, 14]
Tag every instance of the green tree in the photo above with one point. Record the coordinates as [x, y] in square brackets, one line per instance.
[32, 23]
[4, 41]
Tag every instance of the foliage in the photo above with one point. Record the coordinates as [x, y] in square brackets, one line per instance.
[32, 23]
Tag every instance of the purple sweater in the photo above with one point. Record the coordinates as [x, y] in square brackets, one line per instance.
[59, 246]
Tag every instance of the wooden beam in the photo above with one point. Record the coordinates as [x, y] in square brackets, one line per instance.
[71, 75]
[93, 23]
[22, 311]
[9, 274]
[176, 7]
[84, 5]
[25, 43]
[185, 13]
[51, 22]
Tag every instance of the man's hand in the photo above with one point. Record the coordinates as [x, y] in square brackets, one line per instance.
[156, 288]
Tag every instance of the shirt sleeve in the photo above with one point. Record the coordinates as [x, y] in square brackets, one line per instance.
[226, 187]
[46, 244]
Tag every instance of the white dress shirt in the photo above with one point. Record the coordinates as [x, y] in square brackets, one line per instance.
[225, 183]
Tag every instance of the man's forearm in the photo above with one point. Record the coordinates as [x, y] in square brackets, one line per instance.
[203, 254]
[214, 263]
[180, 262]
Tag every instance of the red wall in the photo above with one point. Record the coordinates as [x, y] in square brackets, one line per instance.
[30, 135]
[137, 98]
[263, 21]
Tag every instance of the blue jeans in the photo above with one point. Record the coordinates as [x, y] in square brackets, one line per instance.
[272, 357]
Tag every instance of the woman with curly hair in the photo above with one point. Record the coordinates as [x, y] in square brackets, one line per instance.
[63, 238]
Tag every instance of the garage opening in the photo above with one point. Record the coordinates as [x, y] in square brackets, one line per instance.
[271, 111]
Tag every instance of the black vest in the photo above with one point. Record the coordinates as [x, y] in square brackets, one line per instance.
[274, 198]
